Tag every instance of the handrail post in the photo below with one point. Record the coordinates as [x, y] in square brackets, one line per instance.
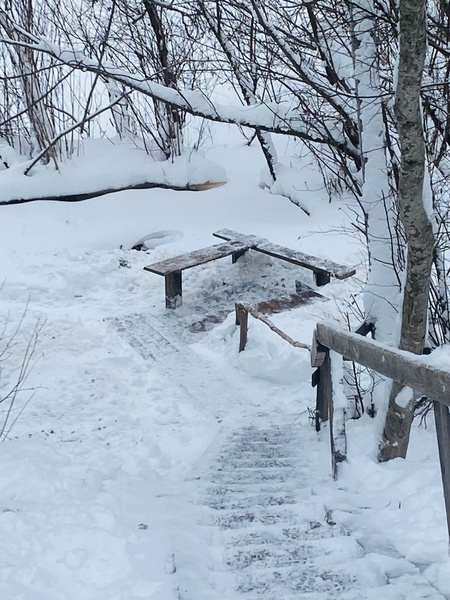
[320, 358]
[242, 321]
[324, 388]
[442, 420]
[325, 411]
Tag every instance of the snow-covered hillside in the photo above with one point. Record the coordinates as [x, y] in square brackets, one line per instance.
[118, 433]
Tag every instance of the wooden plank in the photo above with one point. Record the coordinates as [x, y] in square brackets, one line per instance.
[229, 235]
[442, 419]
[404, 367]
[195, 258]
[320, 266]
[276, 305]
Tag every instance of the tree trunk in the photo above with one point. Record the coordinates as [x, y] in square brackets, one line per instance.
[169, 118]
[23, 59]
[412, 195]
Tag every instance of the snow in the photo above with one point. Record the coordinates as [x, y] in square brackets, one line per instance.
[277, 116]
[404, 397]
[108, 165]
[105, 473]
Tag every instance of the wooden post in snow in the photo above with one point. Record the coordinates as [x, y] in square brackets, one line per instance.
[242, 321]
[442, 420]
[325, 410]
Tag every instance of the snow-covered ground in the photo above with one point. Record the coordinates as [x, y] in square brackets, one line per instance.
[127, 404]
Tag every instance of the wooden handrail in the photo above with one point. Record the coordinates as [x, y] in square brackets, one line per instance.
[245, 308]
[408, 369]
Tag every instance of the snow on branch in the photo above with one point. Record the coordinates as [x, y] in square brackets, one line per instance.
[97, 193]
[274, 117]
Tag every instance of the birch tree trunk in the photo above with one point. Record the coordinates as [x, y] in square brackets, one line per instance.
[414, 199]
[23, 59]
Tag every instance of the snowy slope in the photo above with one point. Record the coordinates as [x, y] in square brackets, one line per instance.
[127, 406]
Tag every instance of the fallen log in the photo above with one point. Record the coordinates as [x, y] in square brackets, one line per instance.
[193, 187]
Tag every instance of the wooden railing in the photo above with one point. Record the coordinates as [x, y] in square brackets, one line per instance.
[243, 309]
[406, 368]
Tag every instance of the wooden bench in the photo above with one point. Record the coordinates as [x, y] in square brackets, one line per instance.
[323, 269]
[172, 268]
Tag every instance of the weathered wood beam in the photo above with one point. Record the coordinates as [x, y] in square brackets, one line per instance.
[195, 258]
[404, 367]
[326, 412]
[321, 267]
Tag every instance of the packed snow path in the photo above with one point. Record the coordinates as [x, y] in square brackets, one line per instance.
[258, 496]
[247, 523]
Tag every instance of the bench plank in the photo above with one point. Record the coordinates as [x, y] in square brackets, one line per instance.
[323, 268]
[172, 268]
[229, 235]
[277, 305]
[197, 257]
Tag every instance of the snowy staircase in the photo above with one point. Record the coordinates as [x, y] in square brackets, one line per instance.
[257, 530]
[258, 498]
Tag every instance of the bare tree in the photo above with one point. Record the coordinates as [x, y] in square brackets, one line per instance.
[414, 199]
[29, 70]
[15, 368]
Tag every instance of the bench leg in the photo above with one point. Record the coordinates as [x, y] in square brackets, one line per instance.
[321, 278]
[173, 289]
[237, 255]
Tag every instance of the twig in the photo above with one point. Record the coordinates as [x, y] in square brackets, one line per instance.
[60, 135]
[258, 315]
